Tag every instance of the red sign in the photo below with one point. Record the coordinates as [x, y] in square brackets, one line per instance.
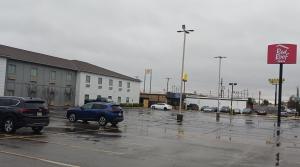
[282, 53]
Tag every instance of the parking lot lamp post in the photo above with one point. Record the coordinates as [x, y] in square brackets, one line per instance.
[219, 83]
[231, 84]
[179, 115]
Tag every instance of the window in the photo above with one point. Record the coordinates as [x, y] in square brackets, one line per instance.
[53, 75]
[109, 97]
[120, 84]
[98, 96]
[10, 92]
[119, 99]
[69, 76]
[99, 87]
[111, 82]
[100, 81]
[120, 89]
[33, 74]
[128, 85]
[99, 106]
[87, 79]
[86, 97]
[87, 106]
[127, 99]
[4, 102]
[12, 69]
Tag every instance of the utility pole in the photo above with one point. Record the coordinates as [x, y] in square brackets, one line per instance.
[150, 80]
[231, 84]
[259, 94]
[219, 83]
[168, 79]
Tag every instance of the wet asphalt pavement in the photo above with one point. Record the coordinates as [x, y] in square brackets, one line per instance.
[153, 138]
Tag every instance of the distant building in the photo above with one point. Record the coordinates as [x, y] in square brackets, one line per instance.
[61, 82]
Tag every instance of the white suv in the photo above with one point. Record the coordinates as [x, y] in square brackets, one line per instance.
[161, 106]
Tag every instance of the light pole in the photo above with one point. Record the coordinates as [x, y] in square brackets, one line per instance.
[219, 83]
[179, 115]
[231, 84]
[168, 79]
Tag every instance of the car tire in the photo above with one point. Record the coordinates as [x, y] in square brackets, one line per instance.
[9, 125]
[37, 129]
[102, 121]
[72, 117]
[114, 123]
[153, 108]
[165, 109]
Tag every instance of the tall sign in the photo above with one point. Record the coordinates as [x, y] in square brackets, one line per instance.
[281, 54]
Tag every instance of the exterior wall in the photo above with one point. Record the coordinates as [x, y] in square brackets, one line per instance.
[93, 90]
[2, 75]
[58, 92]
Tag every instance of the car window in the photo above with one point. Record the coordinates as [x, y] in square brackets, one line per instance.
[35, 104]
[99, 106]
[4, 102]
[87, 106]
[14, 102]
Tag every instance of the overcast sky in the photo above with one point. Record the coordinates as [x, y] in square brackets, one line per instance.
[128, 36]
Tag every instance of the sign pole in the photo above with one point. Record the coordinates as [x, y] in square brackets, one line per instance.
[279, 98]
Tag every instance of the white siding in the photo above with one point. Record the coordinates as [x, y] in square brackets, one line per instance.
[93, 91]
[3, 63]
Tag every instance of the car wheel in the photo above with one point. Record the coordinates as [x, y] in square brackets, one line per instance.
[165, 108]
[114, 123]
[9, 125]
[72, 117]
[153, 107]
[37, 129]
[102, 121]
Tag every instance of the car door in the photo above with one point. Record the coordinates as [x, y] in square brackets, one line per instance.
[84, 112]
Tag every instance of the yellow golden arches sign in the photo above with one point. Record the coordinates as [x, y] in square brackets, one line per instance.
[185, 77]
[275, 81]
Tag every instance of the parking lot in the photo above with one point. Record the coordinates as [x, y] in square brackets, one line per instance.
[153, 138]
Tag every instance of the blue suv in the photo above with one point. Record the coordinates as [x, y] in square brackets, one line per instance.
[101, 112]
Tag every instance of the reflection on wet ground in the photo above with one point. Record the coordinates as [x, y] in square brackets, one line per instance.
[144, 132]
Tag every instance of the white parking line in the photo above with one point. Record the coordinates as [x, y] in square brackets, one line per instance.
[39, 159]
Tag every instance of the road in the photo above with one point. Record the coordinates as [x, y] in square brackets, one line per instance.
[152, 138]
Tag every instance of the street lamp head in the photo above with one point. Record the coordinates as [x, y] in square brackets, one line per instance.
[220, 57]
[232, 83]
[183, 27]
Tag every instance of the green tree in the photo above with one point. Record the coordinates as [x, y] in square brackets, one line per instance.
[265, 102]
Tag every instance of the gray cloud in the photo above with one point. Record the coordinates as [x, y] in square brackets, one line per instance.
[128, 36]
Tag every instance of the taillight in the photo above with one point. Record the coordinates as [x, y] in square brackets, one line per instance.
[23, 110]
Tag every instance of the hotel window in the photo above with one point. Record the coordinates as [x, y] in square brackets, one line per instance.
[86, 97]
[128, 85]
[127, 99]
[110, 84]
[12, 69]
[87, 79]
[69, 76]
[100, 81]
[33, 74]
[110, 97]
[53, 75]
[119, 99]
[120, 85]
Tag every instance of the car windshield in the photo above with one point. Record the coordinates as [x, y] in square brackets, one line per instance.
[35, 104]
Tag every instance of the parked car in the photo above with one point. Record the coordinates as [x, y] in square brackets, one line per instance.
[225, 109]
[101, 112]
[237, 111]
[210, 109]
[260, 112]
[291, 112]
[161, 106]
[284, 114]
[246, 111]
[203, 107]
[18, 112]
[192, 106]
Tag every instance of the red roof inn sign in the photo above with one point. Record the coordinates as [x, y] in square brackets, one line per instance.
[282, 54]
